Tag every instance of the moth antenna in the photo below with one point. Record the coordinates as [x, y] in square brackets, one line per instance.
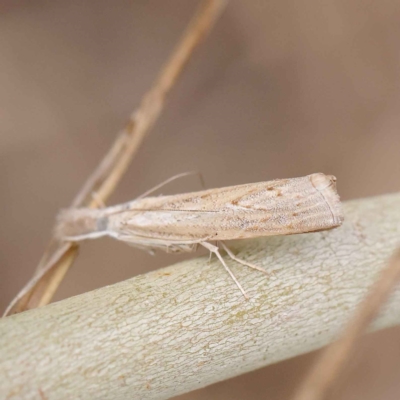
[76, 224]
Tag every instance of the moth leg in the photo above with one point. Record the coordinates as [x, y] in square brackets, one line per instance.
[215, 250]
[173, 178]
[210, 257]
[239, 260]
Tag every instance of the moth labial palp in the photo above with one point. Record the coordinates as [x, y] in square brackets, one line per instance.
[179, 223]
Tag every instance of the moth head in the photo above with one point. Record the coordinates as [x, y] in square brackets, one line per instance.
[78, 224]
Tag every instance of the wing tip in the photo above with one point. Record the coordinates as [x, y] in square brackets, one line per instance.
[326, 185]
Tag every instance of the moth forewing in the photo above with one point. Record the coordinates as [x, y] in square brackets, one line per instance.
[180, 222]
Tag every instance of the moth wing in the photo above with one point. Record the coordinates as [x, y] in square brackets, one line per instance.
[279, 207]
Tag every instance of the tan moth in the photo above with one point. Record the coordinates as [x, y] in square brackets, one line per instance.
[179, 223]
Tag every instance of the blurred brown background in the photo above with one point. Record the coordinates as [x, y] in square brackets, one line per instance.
[280, 89]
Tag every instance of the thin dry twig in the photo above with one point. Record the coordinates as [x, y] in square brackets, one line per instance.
[55, 264]
[332, 361]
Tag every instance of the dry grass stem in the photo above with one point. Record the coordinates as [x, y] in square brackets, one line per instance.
[105, 178]
[333, 359]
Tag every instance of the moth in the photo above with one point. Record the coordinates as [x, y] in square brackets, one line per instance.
[182, 222]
